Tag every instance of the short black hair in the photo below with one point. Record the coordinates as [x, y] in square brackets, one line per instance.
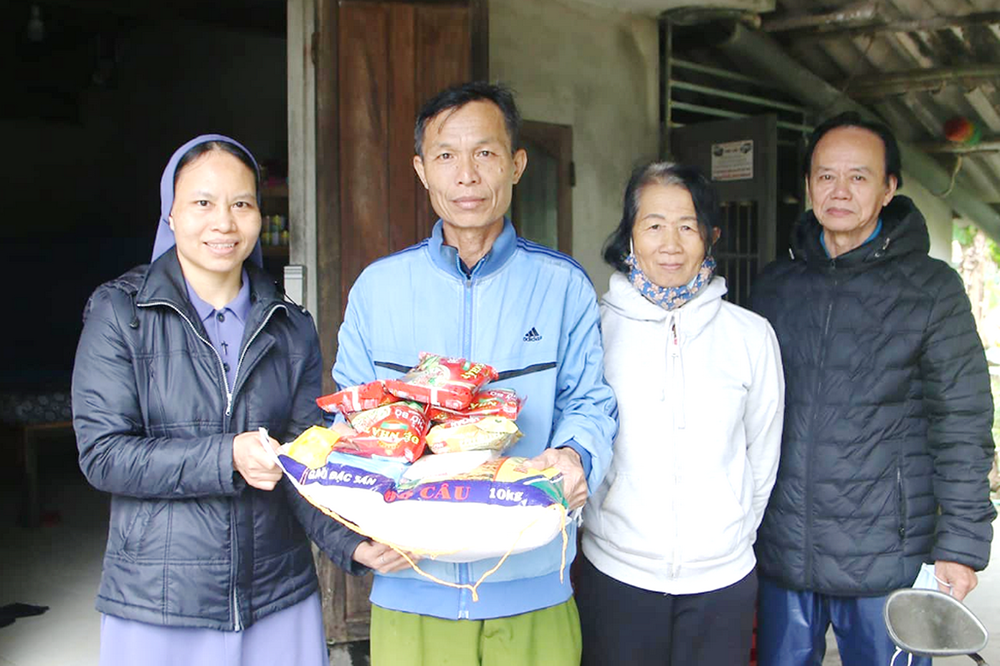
[893, 160]
[706, 206]
[194, 152]
[458, 96]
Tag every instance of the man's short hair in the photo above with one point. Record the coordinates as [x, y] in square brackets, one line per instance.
[893, 161]
[458, 96]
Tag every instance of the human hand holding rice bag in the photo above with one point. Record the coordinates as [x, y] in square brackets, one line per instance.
[442, 381]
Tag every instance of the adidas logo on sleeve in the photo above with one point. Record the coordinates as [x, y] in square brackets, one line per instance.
[532, 335]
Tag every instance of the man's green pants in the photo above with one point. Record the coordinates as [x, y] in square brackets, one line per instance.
[546, 637]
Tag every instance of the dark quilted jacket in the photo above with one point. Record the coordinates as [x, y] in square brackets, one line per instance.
[887, 444]
[190, 544]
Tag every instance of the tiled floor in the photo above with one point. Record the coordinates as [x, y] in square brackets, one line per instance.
[59, 565]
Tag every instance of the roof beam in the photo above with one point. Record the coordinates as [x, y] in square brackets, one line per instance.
[760, 52]
[862, 12]
[885, 84]
[991, 145]
[831, 29]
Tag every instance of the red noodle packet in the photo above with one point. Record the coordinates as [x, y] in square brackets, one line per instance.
[490, 402]
[357, 398]
[442, 381]
[390, 431]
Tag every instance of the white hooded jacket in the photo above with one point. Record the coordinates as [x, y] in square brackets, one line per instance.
[701, 400]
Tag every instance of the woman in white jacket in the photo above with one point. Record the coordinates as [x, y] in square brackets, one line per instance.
[669, 570]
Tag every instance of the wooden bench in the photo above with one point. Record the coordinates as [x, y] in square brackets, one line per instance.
[30, 417]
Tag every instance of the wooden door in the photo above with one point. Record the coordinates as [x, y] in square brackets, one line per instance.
[376, 63]
[542, 205]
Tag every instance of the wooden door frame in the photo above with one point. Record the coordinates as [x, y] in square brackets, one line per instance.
[557, 140]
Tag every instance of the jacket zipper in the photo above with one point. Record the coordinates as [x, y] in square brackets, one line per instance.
[243, 354]
[812, 449]
[675, 355]
[464, 569]
[902, 500]
[237, 625]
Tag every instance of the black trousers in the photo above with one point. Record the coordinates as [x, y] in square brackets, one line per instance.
[622, 624]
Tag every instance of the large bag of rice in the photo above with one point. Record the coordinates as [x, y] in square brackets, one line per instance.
[454, 507]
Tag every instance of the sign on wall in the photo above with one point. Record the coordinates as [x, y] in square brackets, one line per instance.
[732, 160]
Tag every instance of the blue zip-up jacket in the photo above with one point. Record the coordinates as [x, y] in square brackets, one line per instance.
[531, 313]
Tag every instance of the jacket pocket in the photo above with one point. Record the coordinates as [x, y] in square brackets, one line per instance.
[635, 519]
[136, 529]
[712, 521]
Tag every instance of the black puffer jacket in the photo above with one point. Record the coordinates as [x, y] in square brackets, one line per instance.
[887, 444]
[190, 543]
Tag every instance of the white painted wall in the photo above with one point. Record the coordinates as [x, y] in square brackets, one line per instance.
[596, 70]
[937, 213]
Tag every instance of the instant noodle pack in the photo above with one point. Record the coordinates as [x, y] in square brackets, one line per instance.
[460, 502]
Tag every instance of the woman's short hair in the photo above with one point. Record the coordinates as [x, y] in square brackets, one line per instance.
[618, 245]
[194, 152]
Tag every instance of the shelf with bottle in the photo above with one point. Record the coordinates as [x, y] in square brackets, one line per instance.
[274, 219]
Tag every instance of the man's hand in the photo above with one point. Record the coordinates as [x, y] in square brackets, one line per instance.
[253, 463]
[567, 461]
[961, 578]
[381, 557]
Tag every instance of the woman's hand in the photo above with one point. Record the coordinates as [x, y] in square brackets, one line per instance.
[254, 464]
[381, 557]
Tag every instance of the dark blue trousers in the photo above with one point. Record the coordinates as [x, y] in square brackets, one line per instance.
[792, 625]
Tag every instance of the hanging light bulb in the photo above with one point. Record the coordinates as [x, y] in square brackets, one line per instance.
[36, 28]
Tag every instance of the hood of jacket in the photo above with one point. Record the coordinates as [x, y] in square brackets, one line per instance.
[904, 231]
[625, 300]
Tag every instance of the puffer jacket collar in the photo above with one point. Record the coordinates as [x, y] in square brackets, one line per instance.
[904, 231]
[692, 317]
[164, 284]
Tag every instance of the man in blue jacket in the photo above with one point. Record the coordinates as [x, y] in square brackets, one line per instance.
[476, 290]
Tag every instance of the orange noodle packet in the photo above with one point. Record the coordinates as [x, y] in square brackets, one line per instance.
[442, 381]
[313, 446]
[473, 433]
[490, 402]
[391, 431]
[357, 398]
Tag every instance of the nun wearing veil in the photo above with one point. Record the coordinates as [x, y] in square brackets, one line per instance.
[179, 365]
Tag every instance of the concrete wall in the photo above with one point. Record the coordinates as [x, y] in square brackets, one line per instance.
[593, 69]
[937, 213]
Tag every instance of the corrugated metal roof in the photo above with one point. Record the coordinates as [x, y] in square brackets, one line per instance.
[896, 37]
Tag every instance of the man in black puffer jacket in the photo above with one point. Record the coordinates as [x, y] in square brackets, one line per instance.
[887, 443]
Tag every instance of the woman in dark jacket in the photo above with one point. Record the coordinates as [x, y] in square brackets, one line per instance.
[179, 365]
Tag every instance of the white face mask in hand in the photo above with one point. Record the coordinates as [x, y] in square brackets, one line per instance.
[926, 580]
